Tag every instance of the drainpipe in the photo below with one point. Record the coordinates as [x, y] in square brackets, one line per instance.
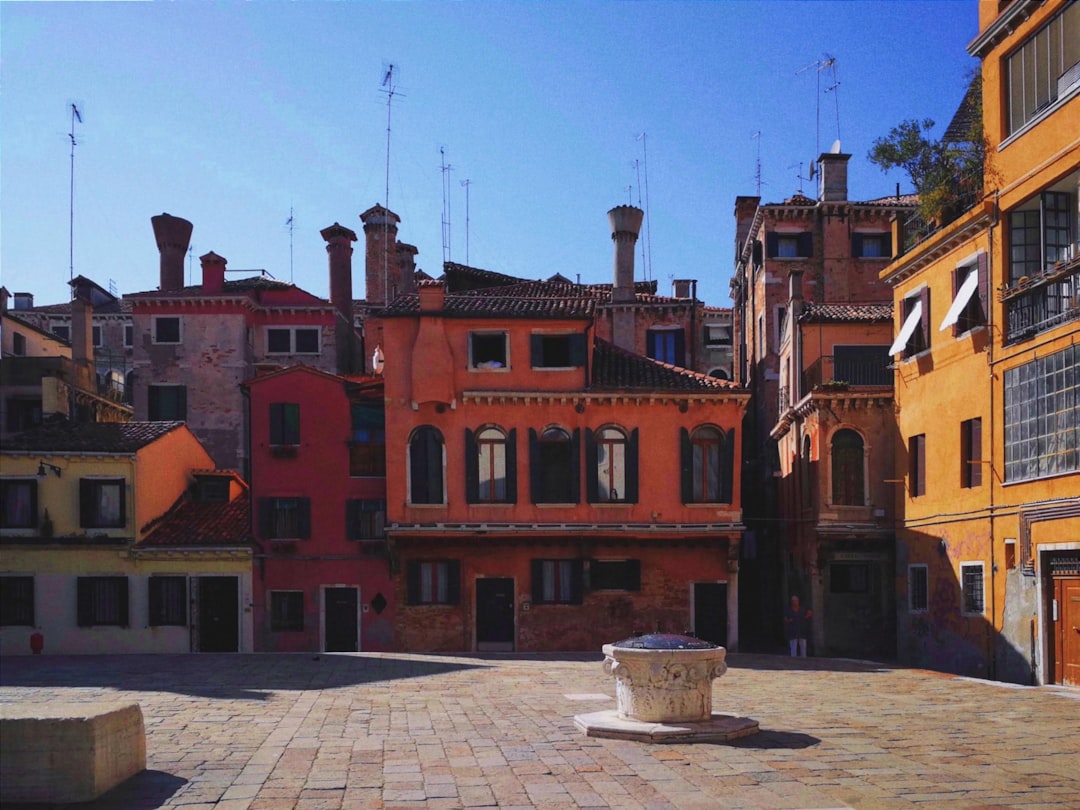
[991, 629]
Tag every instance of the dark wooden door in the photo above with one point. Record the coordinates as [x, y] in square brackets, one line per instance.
[710, 611]
[339, 615]
[495, 613]
[219, 614]
[1067, 643]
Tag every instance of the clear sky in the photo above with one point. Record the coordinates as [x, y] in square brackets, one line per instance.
[232, 114]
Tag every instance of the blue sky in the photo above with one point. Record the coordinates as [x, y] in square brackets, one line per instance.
[229, 114]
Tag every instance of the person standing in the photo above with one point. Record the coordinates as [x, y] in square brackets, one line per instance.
[797, 626]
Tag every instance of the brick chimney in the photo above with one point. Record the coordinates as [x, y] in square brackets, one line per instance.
[339, 253]
[213, 273]
[625, 221]
[82, 334]
[173, 235]
[832, 173]
[380, 255]
[432, 295]
[406, 255]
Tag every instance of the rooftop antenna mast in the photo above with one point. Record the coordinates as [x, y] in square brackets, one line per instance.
[799, 176]
[190, 256]
[466, 183]
[648, 225]
[75, 116]
[756, 136]
[826, 62]
[445, 168]
[390, 89]
[290, 223]
[637, 171]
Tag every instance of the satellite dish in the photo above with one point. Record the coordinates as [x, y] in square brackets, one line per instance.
[835, 147]
[813, 170]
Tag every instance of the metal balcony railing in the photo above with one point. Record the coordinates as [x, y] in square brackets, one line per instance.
[860, 371]
[1036, 304]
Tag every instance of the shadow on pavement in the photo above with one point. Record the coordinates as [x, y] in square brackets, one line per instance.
[772, 740]
[779, 663]
[251, 676]
[147, 790]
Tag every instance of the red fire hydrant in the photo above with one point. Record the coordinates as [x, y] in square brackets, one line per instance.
[37, 642]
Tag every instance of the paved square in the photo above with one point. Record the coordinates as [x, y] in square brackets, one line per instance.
[276, 732]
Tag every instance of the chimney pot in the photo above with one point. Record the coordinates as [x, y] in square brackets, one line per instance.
[173, 235]
[625, 222]
[213, 273]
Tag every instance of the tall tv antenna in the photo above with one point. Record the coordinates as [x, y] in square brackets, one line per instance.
[390, 89]
[75, 116]
[826, 62]
[799, 176]
[466, 183]
[290, 223]
[648, 225]
[756, 136]
[445, 168]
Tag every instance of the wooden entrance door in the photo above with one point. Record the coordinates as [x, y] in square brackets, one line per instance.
[710, 612]
[218, 614]
[340, 619]
[495, 614]
[1067, 631]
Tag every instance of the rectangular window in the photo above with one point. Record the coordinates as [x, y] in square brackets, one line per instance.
[1042, 433]
[557, 582]
[18, 344]
[365, 519]
[367, 449]
[789, 245]
[871, 245]
[286, 611]
[717, 335]
[18, 503]
[862, 365]
[433, 582]
[102, 601]
[488, 350]
[285, 518]
[165, 329]
[62, 331]
[849, 578]
[293, 340]
[95, 336]
[284, 423]
[615, 575]
[166, 403]
[968, 309]
[102, 503]
[917, 465]
[667, 346]
[168, 601]
[557, 351]
[918, 589]
[129, 336]
[16, 601]
[971, 453]
[1044, 68]
[213, 490]
[971, 589]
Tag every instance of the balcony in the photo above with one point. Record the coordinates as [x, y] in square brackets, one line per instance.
[1038, 303]
[964, 194]
[841, 373]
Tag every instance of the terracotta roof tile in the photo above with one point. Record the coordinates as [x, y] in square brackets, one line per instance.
[237, 287]
[103, 437]
[847, 313]
[119, 307]
[491, 304]
[195, 523]
[618, 369]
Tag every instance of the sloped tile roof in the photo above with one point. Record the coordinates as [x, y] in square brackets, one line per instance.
[462, 277]
[95, 437]
[847, 313]
[491, 304]
[119, 307]
[195, 523]
[616, 369]
[903, 201]
[237, 287]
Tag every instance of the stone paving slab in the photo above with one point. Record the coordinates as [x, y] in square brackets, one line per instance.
[382, 731]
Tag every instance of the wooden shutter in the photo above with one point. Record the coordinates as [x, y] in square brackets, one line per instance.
[806, 244]
[856, 245]
[772, 245]
[536, 350]
[575, 467]
[755, 252]
[632, 467]
[87, 503]
[535, 482]
[975, 451]
[266, 510]
[181, 403]
[680, 349]
[886, 244]
[924, 322]
[578, 350]
[418, 469]
[277, 423]
[536, 568]
[122, 596]
[85, 602]
[727, 467]
[577, 581]
[352, 519]
[686, 457]
[956, 283]
[453, 582]
[304, 509]
[412, 582]
[472, 468]
[592, 493]
[511, 466]
[984, 287]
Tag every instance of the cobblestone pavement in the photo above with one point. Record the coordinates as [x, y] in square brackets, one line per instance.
[276, 732]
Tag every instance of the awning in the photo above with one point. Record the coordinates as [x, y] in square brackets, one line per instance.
[908, 329]
[963, 295]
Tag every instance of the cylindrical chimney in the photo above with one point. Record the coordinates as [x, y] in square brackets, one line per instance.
[625, 221]
[380, 259]
[339, 252]
[173, 235]
[406, 255]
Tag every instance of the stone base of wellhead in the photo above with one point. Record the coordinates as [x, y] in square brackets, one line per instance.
[720, 728]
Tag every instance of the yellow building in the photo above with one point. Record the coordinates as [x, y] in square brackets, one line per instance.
[87, 563]
[987, 383]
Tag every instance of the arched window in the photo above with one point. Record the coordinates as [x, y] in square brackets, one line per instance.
[490, 466]
[847, 468]
[554, 466]
[707, 473]
[806, 483]
[426, 466]
[610, 464]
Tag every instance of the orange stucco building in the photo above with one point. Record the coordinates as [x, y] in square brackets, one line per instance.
[987, 319]
[559, 491]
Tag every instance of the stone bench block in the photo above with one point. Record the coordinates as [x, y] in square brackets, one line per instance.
[68, 752]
